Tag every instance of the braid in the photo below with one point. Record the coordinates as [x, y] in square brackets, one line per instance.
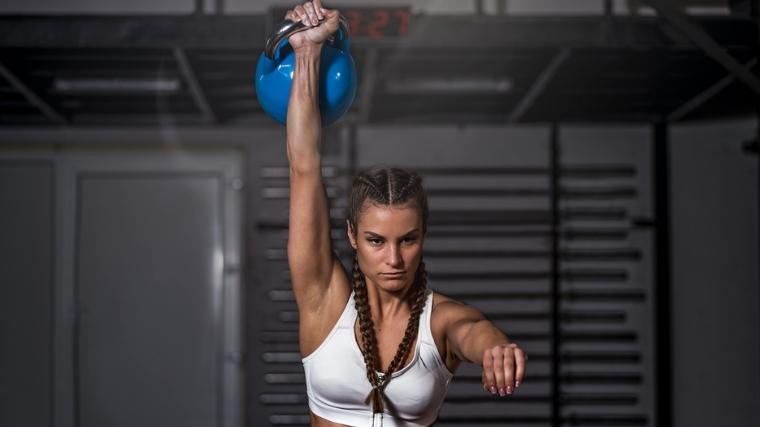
[367, 329]
[373, 188]
[366, 325]
[413, 180]
[389, 184]
[385, 187]
[420, 294]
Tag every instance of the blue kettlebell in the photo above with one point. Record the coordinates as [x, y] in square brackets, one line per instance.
[337, 73]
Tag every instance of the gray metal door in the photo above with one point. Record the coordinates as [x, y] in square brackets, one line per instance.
[121, 295]
[148, 251]
[147, 296]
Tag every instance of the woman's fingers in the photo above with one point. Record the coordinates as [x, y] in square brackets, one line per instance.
[509, 369]
[319, 22]
[300, 14]
[498, 368]
[311, 13]
[489, 380]
[520, 358]
[503, 369]
[319, 9]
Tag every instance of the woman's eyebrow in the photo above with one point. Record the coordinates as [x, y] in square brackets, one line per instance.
[369, 233]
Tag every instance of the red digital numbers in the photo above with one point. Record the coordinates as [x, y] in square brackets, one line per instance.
[378, 23]
[403, 17]
[354, 21]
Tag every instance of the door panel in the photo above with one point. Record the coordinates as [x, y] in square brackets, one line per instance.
[26, 292]
[147, 294]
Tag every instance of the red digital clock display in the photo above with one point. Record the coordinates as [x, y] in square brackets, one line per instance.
[378, 23]
[374, 23]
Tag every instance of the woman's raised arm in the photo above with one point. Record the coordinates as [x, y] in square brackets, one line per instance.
[310, 254]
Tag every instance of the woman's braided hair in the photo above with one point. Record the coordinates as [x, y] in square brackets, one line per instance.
[386, 186]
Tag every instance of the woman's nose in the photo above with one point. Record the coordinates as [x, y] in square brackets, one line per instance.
[394, 256]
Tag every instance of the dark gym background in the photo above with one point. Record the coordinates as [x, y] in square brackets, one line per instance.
[592, 168]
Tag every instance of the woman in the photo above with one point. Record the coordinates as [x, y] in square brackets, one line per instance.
[393, 366]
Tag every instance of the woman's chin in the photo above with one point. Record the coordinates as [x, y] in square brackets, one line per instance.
[393, 285]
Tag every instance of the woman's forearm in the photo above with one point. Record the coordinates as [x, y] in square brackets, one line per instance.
[482, 336]
[304, 124]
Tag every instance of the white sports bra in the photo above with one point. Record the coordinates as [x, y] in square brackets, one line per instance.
[336, 378]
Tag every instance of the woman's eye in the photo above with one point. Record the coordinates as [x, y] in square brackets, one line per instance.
[374, 241]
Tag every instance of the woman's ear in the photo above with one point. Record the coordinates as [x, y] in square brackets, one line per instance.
[350, 233]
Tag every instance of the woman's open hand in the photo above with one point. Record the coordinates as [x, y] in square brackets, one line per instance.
[322, 23]
[503, 369]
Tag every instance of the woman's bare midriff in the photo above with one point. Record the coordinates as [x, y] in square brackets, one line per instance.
[321, 422]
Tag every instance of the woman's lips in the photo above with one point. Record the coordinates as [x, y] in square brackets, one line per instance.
[392, 275]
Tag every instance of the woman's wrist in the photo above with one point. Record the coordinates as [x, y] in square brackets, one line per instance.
[309, 50]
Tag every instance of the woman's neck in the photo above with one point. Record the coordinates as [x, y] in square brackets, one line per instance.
[385, 305]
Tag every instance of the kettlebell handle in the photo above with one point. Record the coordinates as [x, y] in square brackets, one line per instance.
[288, 28]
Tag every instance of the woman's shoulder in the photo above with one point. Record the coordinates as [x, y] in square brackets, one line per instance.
[439, 298]
[448, 312]
[447, 309]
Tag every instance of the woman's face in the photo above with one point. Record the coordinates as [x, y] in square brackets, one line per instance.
[389, 244]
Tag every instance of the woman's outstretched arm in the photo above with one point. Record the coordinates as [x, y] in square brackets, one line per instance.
[310, 255]
[473, 338]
